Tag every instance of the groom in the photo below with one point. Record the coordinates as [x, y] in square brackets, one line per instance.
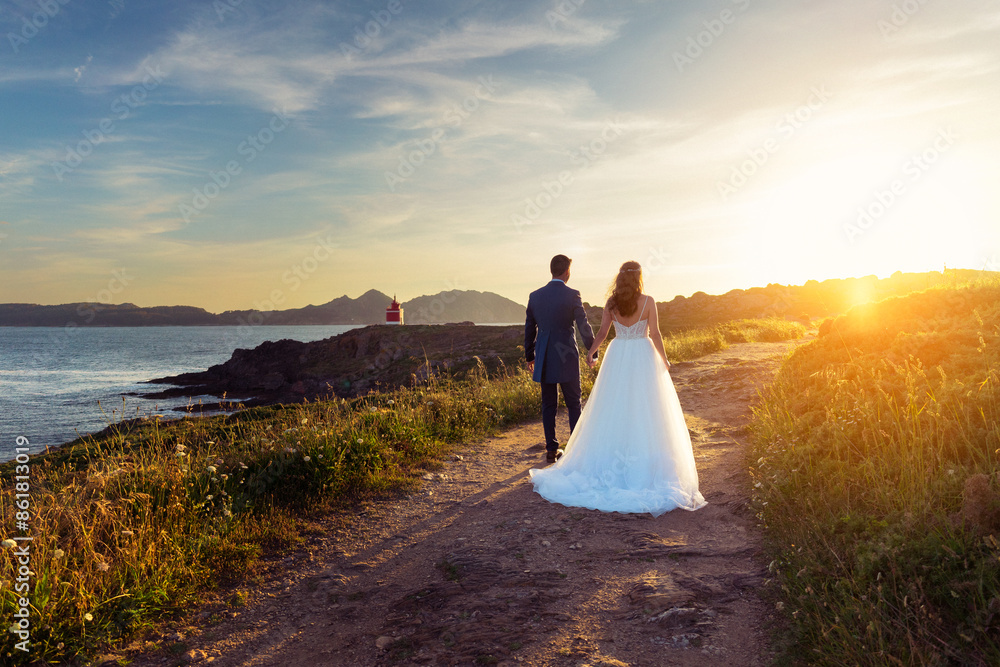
[550, 348]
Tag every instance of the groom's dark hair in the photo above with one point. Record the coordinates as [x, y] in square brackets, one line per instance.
[559, 265]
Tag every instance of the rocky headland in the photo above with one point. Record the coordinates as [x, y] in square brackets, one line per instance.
[351, 364]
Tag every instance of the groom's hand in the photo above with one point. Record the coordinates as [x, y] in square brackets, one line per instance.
[531, 366]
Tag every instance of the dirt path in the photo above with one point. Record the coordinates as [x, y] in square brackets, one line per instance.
[478, 569]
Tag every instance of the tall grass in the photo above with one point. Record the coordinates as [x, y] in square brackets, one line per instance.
[875, 464]
[692, 344]
[129, 525]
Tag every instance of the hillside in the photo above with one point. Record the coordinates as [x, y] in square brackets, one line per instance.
[461, 306]
[369, 308]
[875, 473]
[812, 301]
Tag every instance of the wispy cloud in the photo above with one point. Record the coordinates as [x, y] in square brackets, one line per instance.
[272, 66]
[78, 71]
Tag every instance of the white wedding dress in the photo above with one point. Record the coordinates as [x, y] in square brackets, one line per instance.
[630, 450]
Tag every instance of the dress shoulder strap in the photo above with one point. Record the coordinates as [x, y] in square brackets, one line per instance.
[644, 303]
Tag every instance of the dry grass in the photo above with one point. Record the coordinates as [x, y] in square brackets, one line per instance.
[875, 463]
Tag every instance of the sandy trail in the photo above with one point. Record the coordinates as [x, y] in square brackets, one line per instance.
[475, 568]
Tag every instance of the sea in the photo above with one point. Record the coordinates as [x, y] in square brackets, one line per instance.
[59, 383]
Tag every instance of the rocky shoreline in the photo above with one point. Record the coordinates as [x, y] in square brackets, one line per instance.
[348, 365]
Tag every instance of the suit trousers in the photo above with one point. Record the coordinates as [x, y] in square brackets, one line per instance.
[550, 404]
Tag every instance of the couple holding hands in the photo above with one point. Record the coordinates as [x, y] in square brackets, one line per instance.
[629, 449]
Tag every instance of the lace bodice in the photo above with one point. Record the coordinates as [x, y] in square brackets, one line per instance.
[637, 330]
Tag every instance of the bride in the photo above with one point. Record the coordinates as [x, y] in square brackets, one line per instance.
[630, 450]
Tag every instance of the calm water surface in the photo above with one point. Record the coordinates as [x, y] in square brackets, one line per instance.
[59, 383]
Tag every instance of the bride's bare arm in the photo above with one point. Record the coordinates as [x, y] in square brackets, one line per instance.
[654, 333]
[602, 334]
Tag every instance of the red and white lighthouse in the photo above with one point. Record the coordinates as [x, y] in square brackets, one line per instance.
[394, 313]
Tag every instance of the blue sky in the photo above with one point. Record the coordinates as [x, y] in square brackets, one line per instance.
[247, 153]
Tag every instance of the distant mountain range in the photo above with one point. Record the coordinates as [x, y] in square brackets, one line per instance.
[369, 308]
[811, 301]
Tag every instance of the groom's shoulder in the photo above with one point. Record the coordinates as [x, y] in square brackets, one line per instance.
[537, 292]
[546, 287]
[563, 290]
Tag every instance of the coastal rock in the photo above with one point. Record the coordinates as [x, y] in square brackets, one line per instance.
[350, 364]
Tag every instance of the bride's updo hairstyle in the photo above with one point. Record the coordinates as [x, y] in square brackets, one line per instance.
[626, 288]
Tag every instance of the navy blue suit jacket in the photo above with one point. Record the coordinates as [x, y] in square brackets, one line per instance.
[549, 339]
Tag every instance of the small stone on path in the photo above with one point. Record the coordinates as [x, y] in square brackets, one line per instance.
[195, 655]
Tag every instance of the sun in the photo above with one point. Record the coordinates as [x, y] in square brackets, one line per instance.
[853, 216]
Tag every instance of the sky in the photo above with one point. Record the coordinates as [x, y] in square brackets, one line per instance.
[256, 154]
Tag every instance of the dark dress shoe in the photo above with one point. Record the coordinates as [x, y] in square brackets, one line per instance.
[552, 457]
